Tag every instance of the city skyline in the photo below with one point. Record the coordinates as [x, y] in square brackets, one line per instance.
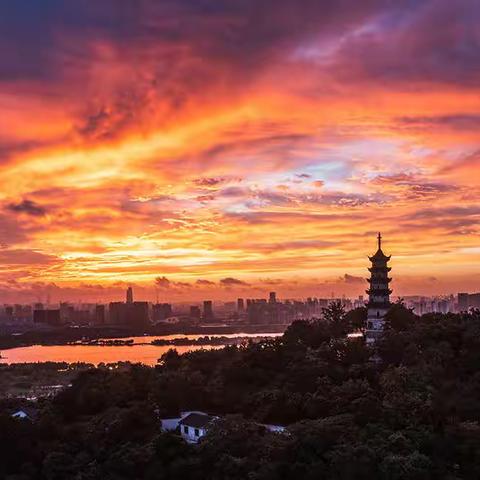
[195, 150]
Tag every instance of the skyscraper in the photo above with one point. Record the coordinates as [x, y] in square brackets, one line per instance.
[272, 298]
[240, 305]
[379, 293]
[207, 311]
[99, 314]
[129, 295]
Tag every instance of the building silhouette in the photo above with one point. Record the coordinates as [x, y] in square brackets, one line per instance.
[195, 312]
[162, 311]
[129, 295]
[240, 305]
[208, 311]
[47, 316]
[130, 314]
[99, 314]
[378, 294]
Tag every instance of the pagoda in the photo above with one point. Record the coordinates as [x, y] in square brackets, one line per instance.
[378, 294]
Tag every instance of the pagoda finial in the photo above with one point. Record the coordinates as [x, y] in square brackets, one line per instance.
[379, 241]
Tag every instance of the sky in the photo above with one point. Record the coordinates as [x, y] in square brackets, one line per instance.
[223, 148]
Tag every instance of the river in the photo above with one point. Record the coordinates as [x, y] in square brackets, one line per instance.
[140, 352]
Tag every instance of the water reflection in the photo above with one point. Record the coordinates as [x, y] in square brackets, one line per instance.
[140, 352]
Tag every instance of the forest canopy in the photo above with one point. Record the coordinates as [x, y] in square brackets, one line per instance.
[408, 409]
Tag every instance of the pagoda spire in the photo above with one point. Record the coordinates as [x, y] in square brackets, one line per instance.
[379, 237]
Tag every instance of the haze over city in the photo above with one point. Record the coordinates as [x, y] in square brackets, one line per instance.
[215, 150]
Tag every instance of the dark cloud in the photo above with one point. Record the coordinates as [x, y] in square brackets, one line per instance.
[29, 207]
[447, 212]
[405, 45]
[165, 54]
[13, 257]
[342, 199]
[209, 181]
[413, 187]
[469, 161]
[259, 217]
[351, 279]
[455, 220]
[163, 282]
[455, 122]
[10, 148]
[232, 282]
[203, 282]
[205, 198]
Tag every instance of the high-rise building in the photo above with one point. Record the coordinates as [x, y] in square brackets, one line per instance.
[378, 293]
[272, 298]
[161, 311]
[467, 301]
[207, 311]
[138, 315]
[463, 302]
[240, 305]
[117, 312]
[133, 314]
[47, 317]
[129, 295]
[99, 314]
[195, 312]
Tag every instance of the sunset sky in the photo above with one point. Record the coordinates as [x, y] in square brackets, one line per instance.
[224, 148]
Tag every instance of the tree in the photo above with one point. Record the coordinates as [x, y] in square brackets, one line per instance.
[357, 318]
[335, 317]
[399, 317]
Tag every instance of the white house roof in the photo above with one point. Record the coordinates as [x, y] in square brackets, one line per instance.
[196, 420]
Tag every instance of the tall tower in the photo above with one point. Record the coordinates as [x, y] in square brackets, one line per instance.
[129, 295]
[378, 294]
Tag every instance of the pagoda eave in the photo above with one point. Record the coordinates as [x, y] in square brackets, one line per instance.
[383, 291]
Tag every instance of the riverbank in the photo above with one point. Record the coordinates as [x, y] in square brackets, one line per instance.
[66, 335]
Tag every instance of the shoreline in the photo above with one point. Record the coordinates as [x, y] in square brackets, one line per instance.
[70, 335]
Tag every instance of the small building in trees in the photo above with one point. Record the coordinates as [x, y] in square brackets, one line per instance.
[378, 294]
[25, 413]
[192, 425]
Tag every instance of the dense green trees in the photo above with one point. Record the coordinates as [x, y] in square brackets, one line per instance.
[413, 415]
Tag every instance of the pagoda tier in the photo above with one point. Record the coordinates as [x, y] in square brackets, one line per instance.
[379, 258]
[377, 280]
[379, 305]
[379, 291]
[379, 269]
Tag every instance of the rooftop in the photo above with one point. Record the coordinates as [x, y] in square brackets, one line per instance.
[196, 420]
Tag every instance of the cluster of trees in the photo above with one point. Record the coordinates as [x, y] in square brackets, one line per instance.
[29, 379]
[409, 410]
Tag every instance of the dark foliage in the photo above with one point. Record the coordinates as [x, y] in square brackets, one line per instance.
[412, 415]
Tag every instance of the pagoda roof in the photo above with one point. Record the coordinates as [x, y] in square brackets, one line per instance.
[379, 256]
[379, 269]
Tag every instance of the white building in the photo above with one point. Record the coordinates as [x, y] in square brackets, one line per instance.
[192, 425]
